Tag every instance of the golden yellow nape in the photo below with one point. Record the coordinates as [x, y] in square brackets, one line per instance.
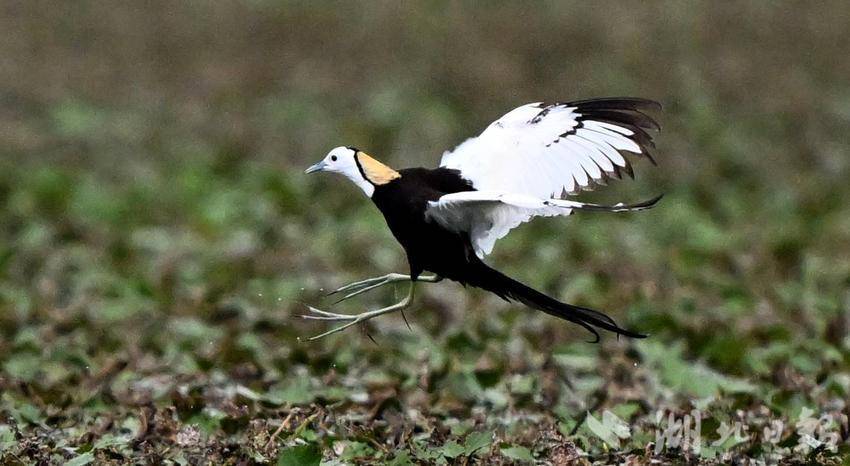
[374, 171]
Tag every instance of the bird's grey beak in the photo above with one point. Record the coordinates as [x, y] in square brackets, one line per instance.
[316, 168]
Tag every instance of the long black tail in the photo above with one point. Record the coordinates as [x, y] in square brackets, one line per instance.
[509, 289]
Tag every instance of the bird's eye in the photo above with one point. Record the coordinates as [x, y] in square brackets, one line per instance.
[333, 158]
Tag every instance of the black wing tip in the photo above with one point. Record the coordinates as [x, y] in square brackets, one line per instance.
[629, 118]
[629, 170]
[650, 157]
[635, 104]
[624, 103]
[625, 112]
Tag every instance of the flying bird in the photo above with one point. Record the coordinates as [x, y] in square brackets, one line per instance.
[525, 164]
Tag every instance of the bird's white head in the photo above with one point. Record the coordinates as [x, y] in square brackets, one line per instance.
[356, 165]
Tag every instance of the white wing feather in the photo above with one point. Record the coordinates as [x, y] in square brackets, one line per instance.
[488, 216]
[523, 162]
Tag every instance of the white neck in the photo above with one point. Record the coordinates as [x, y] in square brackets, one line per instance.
[361, 182]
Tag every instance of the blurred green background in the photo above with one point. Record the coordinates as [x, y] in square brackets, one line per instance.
[158, 237]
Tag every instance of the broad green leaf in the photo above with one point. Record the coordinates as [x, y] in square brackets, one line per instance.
[401, 458]
[602, 431]
[477, 441]
[452, 449]
[301, 455]
[112, 441]
[7, 438]
[692, 378]
[355, 450]
[81, 460]
[518, 453]
[23, 366]
[298, 392]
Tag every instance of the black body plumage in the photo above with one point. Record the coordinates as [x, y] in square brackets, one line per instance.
[431, 247]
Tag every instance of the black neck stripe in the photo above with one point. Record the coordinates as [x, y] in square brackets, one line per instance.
[360, 167]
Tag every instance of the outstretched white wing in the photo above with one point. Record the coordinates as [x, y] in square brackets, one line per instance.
[539, 153]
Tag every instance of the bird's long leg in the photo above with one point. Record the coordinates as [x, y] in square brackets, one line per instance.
[369, 284]
[318, 314]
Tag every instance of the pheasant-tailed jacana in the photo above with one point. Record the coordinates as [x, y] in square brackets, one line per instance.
[523, 165]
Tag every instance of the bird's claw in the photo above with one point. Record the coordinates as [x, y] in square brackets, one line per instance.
[352, 319]
[318, 314]
[362, 287]
[369, 284]
[355, 285]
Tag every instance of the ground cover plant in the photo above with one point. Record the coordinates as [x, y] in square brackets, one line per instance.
[158, 238]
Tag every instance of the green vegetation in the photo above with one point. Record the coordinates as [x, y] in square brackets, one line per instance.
[158, 238]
